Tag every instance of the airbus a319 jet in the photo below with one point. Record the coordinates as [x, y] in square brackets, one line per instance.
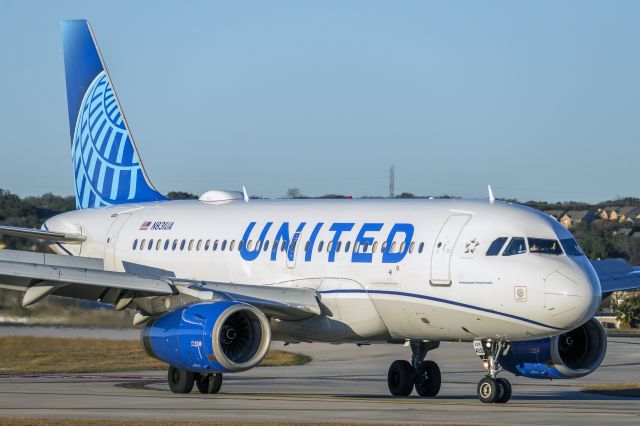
[214, 281]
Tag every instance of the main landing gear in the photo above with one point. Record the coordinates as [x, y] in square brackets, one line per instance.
[425, 376]
[182, 381]
[490, 388]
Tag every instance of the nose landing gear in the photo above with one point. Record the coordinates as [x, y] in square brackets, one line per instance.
[425, 376]
[490, 388]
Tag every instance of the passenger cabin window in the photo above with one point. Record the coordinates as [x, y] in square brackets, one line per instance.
[544, 246]
[266, 245]
[166, 245]
[215, 245]
[411, 246]
[135, 244]
[182, 244]
[420, 247]
[224, 245]
[571, 247]
[516, 246]
[496, 246]
[158, 244]
[347, 246]
[199, 245]
[233, 244]
[206, 245]
[175, 245]
[320, 246]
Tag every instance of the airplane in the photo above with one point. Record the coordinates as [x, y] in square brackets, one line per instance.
[214, 281]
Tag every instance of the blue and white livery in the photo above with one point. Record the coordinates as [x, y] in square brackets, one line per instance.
[213, 281]
[107, 169]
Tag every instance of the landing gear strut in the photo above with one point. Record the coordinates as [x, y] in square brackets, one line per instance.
[182, 381]
[490, 388]
[425, 376]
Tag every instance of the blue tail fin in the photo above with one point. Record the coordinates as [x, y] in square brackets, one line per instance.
[106, 165]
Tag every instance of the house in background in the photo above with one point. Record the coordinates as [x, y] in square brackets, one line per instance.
[609, 213]
[556, 214]
[629, 214]
[572, 217]
[623, 232]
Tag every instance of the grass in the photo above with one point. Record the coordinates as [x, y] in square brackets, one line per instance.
[631, 390]
[92, 422]
[48, 355]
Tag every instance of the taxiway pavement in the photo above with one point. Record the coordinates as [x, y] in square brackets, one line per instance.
[343, 383]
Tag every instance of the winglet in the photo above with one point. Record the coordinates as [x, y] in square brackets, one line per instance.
[492, 199]
[244, 194]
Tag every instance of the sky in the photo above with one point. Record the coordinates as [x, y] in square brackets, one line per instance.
[540, 99]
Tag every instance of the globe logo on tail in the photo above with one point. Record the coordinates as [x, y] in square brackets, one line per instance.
[107, 170]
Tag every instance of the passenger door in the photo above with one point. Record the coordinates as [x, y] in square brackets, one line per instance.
[443, 248]
[112, 238]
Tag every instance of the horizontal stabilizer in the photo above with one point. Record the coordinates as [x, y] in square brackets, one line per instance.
[616, 275]
[41, 234]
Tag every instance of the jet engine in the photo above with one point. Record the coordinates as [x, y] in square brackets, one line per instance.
[566, 356]
[212, 337]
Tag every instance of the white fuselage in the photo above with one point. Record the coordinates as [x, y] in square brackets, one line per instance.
[434, 281]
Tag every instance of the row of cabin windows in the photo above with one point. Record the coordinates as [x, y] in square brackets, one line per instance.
[161, 244]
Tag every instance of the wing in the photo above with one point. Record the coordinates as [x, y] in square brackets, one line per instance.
[616, 275]
[41, 274]
[41, 234]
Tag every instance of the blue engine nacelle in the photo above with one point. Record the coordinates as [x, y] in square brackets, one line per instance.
[566, 356]
[212, 337]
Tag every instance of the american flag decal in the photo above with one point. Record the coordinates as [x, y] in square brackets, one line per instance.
[145, 226]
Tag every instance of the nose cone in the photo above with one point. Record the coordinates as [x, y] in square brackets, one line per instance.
[572, 296]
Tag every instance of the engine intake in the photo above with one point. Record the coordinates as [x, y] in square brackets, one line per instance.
[566, 356]
[209, 337]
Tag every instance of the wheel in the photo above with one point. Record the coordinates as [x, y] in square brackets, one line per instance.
[488, 390]
[506, 391]
[180, 381]
[401, 378]
[209, 383]
[428, 381]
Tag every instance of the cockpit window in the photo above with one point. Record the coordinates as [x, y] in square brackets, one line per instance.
[496, 246]
[571, 247]
[544, 246]
[516, 246]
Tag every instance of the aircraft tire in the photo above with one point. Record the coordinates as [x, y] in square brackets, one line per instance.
[488, 390]
[428, 379]
[401, 378]
[180, 381]
[506, 391]
[209, 383]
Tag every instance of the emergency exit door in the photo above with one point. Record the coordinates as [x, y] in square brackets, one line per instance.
[443, 249]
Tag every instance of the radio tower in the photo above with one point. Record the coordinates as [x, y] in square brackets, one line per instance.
[392, 181]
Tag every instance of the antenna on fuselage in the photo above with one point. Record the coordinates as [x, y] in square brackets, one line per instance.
[492, 199]
[244, 194]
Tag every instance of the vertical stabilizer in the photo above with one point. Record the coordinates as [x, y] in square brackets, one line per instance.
[106, 165]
